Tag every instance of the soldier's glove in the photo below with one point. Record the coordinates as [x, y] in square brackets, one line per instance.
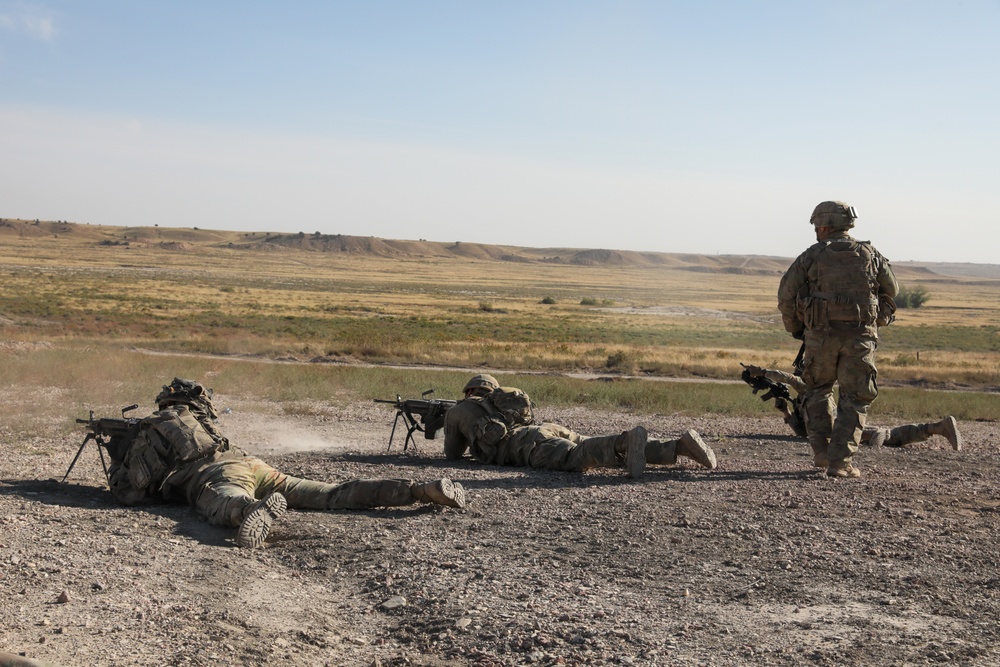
[755, 371]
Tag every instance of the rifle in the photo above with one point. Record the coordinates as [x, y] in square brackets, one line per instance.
[430, 411]
[111, 433]
[775, 390]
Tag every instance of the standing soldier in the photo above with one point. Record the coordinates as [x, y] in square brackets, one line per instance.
[834, 297]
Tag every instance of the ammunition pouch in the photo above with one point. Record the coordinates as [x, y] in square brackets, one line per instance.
[489, 431]
[821, 310]
[145, 464]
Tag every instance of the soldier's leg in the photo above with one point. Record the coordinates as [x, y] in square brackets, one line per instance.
[818, 409]
[689, 445]
[873, 436]
[368, 493]
[856, 376]
[907, 434]
[948, 428]
[911, 433]
[223, 492]
[608, 451]
[661, 452]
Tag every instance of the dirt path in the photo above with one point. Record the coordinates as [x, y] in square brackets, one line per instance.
[761, 562]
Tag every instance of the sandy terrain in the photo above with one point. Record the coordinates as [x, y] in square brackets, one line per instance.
[760, 562]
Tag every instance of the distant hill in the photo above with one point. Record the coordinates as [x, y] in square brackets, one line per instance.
[180, 239]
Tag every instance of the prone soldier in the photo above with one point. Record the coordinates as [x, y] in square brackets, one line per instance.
[178, 454]
[873, 436]
[496, 426]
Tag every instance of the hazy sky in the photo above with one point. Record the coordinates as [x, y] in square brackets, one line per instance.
[702, 127]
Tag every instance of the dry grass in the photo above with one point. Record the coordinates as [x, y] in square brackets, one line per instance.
[105, 378]
[188, 290]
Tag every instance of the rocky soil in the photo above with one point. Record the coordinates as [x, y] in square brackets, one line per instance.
[760, 562]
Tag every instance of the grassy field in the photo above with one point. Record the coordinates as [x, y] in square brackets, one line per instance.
[79, 287]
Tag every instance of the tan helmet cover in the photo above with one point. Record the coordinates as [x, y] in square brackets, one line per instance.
[833, 214]
[481, 380]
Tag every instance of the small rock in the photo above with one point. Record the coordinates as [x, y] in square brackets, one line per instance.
[395, 602]
[63, 598]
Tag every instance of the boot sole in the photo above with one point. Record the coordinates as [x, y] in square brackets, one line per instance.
[698, 450]
[843, 473]
[956, 440]
[257, 524]
[453, 492]
[635, 454]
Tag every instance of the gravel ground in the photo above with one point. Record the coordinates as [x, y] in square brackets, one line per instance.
[760, 562]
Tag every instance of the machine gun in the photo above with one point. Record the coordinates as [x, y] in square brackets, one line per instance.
[109, 433]
[430, 411]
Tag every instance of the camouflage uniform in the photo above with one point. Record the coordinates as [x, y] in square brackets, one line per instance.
[554, 447]
[223, 485]
[834, 296]
[179, 455]
[14, 660]
[873, 436]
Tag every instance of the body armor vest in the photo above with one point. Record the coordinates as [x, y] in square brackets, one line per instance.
[843, 286]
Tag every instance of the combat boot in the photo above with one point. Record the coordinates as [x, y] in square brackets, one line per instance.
[692, 446]
[948, 427]
[258, 518]
[842, 469]
[879, 437]
[820, 448]
[633, 443]
[440, 492]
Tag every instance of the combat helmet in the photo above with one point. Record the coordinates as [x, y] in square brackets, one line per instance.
[190, 393]
[833, 214]
[481, 380]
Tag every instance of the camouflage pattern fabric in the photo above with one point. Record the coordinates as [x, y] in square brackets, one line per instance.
[166, 440]
[179, 455]
[906, 434]
[837, 351]
[222, 486]
[899, 436]
[14, 660]
[548, 446]
[555, 447]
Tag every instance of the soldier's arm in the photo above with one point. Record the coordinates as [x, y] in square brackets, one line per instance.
[886, 278]
[456, 442]
[792, 381]
[788, 291]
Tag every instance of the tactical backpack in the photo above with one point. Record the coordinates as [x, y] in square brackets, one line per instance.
[843, 286]
[506, 408]
[166, 440]
[514, 405]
